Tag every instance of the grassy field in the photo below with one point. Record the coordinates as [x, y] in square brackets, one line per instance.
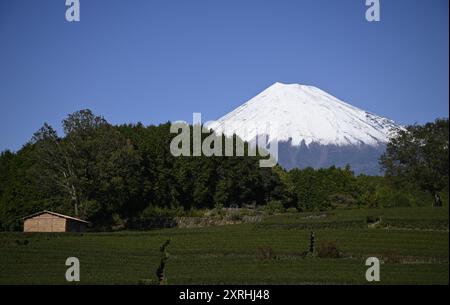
[413, 244]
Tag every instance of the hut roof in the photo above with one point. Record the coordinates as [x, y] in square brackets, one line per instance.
[56, 214]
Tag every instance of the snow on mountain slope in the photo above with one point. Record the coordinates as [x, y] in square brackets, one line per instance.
[305, 114]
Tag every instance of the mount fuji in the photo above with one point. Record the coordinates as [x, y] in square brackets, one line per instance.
[312, 127]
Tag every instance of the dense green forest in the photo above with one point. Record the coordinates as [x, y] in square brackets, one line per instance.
[119, 175]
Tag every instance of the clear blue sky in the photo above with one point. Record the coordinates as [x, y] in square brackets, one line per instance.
[154, 61]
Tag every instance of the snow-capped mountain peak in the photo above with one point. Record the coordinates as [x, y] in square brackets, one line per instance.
[305, 114]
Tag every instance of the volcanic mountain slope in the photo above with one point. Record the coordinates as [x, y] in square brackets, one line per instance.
[312, 127]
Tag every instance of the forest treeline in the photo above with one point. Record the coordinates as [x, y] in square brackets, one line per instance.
[119, 175]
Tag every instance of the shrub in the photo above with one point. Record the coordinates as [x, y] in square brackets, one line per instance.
[292, 210]
[218, 210]
[266, 253]
[22, 242]
[247, 212]
[395, 199]
[392, 258]
[372, 219]
[341, 200]
[234, 216]
[190, 213]
[401, 200]
[327, 249]
[155, 211]
[117, 221]
[274, 207]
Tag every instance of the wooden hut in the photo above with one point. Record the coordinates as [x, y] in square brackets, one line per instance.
[46, 221]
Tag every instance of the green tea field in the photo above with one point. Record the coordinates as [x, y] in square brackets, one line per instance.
[411, 243]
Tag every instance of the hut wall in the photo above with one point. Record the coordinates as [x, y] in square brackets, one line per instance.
[45, 223]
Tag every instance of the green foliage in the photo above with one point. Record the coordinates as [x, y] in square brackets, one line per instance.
[155, 211]
[266, 253]
[93, 166]
[116, 175]
[291, 210]
[274, 207]
[327, 249]
[420, 155]
[322, 189]
[419, 218]
[228, 254]
[122, 176]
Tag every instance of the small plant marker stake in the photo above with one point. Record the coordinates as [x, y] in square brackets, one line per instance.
[311, 243]
[160, 272]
